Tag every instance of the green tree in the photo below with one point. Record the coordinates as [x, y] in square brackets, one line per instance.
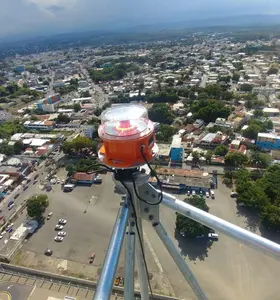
[246, 87]
[270, 217]
[62, 119]
[77, 107]
[85, 94]
[165, 133]
[251, 132]
[80, 145]
[260, 159]
[34, 118]
[189, 227]
[235, 159]
[235, 77]
[272, 70]
[6, 149]
[36, 205]
[161, 113]
[208, 157]
[210, 110]
[251, 194]
[195, 158]
[221, 150]
[258, 113]
[18, 147]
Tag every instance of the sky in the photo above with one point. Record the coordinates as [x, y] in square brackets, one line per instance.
[29, 17]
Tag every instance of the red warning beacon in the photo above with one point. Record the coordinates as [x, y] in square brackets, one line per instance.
[124, 130]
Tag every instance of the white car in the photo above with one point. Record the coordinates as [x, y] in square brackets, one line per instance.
[207, 194]
[58, 238]
[61, 233]
[10, 226]
[213, 236]
[2, 234]
[11, 206]
[62, 221]
[58, 227]
[193, 193]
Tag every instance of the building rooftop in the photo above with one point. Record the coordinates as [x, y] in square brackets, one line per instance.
[268, 135]
[81, 176]
[177, 141]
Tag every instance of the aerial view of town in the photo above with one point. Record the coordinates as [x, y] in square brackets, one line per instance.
[213, 96]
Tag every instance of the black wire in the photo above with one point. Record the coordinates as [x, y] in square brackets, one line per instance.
[153, 174]
[140, 239]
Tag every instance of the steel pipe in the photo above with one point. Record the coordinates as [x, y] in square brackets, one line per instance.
[180, 262]
[106, 280]
[241, 235]
[129, 265]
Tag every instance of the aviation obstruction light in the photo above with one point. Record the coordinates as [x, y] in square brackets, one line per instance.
[125, 130]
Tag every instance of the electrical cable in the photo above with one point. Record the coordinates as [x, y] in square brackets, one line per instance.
[140, 239]
[153, 174]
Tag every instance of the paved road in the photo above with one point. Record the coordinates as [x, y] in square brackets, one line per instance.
[14, 291]
[225, 269]
[24, 194]
[100, 97]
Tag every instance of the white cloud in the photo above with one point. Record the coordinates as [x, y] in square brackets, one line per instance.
[49, 3]
[30, 16]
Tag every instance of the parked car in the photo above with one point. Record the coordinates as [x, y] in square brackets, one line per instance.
[62, 221]
[48, 252]
[58, 227]
[11, 202]
[2, 234]
[193, 193]
[233, 194]
[207, 194]
[11, 206]
[49, 215]
[213, 236]
[212, 193]
[61, 233]
[58, 238]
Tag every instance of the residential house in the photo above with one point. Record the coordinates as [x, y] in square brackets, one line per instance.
[82, 178]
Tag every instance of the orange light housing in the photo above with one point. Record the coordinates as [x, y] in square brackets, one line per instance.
[124, 130]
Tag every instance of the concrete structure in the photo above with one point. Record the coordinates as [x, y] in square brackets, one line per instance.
[49, 104]
[268, 141]
[271, 111]
[176, 150]
[163, 154]
[39, 125]
[82, 178]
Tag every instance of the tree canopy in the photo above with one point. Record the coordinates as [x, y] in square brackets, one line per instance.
[210, 110]
[262, 194]
[161, 113]
[221, 150]
[112, 72]
[165, 133]
[36, 205]
[81, 145]
[235, 159]
[256, 126]
[62, 119]
[9, 128]
[83, 165]
[162, 97]
[189, 227]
